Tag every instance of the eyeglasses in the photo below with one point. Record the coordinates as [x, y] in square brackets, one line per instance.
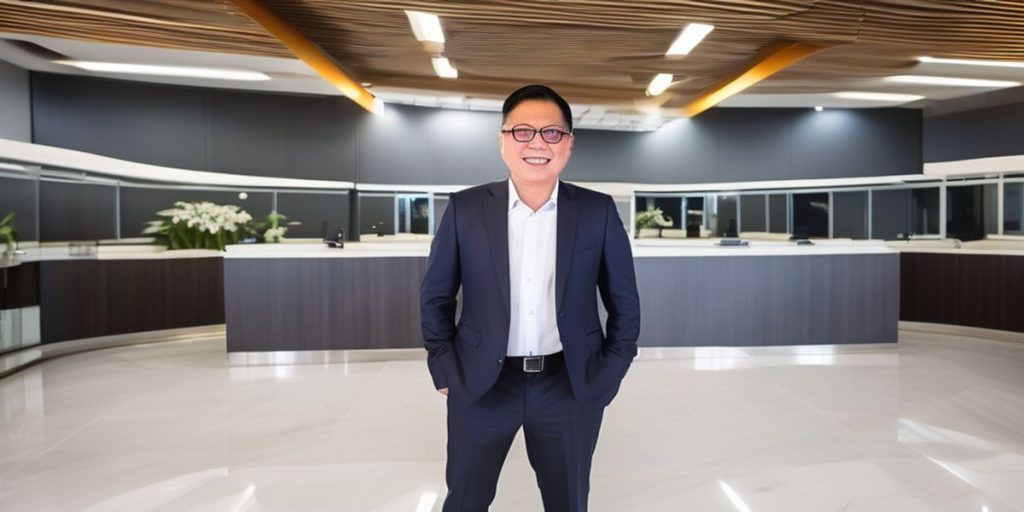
[550, 134]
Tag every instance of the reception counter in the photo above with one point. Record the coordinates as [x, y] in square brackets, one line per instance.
[307, 297]
[85, 291]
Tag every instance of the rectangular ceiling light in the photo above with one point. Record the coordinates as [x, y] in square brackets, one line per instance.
[951, 81]
[180, 71]
[877, 96]
[658, 85]
[970, 62]
[443, 68]
[689, 37]
[426, 27]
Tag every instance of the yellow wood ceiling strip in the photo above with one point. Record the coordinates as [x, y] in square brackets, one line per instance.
[773, 59]
[307, 51]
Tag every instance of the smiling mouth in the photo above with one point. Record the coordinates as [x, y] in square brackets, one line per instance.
[536, 160]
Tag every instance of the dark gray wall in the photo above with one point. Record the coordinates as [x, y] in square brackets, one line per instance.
[742, 144]
[15, 109]
[330, 138]
[978, 133]
[193, 128]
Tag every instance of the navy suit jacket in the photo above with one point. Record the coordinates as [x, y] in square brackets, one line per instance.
[470, 251]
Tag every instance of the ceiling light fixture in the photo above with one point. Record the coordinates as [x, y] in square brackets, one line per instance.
[689, 37]
[877, 96]
[951, 81]
[443, 68]
[658, 85]
[972, 62]
[426, 27]
[818, 108]
[180, 71]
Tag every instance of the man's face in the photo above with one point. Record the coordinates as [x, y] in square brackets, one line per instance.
[536, 161]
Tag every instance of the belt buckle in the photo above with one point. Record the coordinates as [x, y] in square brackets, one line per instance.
[533, 364]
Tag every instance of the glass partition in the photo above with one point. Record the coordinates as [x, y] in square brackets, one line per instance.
[778, 213]
[965, 212]
[811, 215]
[1013, 209]
[850, 215]
[753, 213]
[723, 220]
[925, 211]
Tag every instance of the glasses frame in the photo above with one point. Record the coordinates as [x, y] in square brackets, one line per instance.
[534, 131]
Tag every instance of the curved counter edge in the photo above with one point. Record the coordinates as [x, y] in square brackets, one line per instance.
[15, 361]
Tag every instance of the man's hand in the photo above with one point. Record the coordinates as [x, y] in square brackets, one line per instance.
[443, 391]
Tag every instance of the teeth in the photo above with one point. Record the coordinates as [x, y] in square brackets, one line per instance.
[536, 160]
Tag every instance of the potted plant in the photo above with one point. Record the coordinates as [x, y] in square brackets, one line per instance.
[650, 222]
[8, 235]
[270, 230]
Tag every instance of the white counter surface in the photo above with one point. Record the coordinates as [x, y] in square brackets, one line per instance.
[320, 250]
[642, 250]
[111, 252]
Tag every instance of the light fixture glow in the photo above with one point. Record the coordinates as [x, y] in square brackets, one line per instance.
[951, 81]
[658, 85]
[180, 71]
[426, 27]
[877, 96]
[443, 68]
[972, 62]
[733, 497]
[689, 37]
[818, 108]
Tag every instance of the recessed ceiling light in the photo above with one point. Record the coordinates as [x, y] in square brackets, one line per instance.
[877, 96]
[951, 81]
[426, 27]
[972, 62]
[818, 108]
[443, 68]
[180, 71]
[689, 37]
[658, 85]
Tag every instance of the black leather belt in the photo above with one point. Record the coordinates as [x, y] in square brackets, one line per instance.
[535, 364]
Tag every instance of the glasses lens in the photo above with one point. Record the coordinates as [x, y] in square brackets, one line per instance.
[523, 134]
[551, 135]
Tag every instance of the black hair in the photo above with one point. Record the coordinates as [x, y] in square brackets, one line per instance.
[537, 92]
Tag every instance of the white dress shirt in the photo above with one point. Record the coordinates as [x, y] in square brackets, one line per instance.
[531, 261]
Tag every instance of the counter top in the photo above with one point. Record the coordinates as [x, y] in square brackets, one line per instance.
[320, 250]
[642, 249]
[110, 252]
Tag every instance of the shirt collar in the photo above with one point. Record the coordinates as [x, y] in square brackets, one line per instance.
[513, 196]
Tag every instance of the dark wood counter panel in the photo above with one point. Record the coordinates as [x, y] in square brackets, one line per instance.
[88, 298]
[975, 290]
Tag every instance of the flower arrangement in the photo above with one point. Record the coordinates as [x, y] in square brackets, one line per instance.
[8, 235]
[200, 225]
[653, 218]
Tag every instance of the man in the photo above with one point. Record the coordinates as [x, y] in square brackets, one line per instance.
[528, 350]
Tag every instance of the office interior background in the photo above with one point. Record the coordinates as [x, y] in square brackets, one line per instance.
[831, 285]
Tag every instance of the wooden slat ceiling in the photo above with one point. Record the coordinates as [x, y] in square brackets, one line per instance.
[593, 51]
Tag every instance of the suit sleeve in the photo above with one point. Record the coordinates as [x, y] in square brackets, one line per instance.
[617, 284]
[438, 298]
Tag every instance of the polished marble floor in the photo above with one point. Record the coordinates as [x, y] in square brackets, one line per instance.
[935, 424]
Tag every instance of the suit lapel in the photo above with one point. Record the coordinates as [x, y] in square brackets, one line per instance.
[495, 210]
[568, 215]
